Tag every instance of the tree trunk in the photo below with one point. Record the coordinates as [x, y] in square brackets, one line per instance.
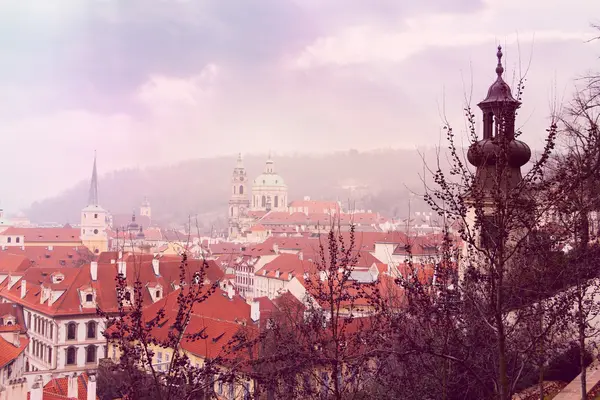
[582, 353]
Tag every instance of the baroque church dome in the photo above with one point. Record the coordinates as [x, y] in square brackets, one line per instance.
[269, 178]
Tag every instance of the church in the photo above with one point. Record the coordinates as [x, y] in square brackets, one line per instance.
[269, 193]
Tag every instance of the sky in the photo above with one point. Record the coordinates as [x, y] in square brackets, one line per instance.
[151, 82]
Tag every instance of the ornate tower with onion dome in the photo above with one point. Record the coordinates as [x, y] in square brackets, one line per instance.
[498, 158]
[239, 203]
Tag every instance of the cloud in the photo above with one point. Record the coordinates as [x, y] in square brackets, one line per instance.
[157, 81]
[359, 44]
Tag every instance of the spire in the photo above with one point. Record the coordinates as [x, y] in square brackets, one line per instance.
[93, 196]
[269, 167]
[240, 161]
[499, 67]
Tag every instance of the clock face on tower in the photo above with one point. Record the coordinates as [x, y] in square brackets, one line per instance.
[241, 179]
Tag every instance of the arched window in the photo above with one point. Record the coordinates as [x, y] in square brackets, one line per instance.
[232, 211]
[89, 297]
[90, 354]
[71, 355]
[158, 294]
[276, 203]
[127, 296]
[234, 190]
[18, 240]
[8, 240]
[71, 331]
[241, 189]
[264, 201]
[91, 330]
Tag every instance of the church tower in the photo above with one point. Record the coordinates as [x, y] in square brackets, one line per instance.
[93, 219]
[239, 203]
[497, 157]
[145, 209]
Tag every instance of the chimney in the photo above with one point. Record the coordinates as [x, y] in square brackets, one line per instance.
[276, 248]
[277, 274]
[301, 256]
[156, 266]
[23, 288]
[36, 389]
[122, 268]
[91, 385]
[72, 389]
[94, 270]
[230, 292]
[50, 248]
[255, 311]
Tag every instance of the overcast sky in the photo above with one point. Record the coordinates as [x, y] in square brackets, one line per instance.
[157, 81]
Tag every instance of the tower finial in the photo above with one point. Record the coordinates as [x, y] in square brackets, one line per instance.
[93, 195]
[499, 67]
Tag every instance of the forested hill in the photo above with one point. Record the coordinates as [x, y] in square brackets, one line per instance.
[379, 180]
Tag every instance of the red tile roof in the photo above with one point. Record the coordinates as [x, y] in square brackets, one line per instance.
[50, 235]
[58, 388]
[288, 266]
[13, 263]
[41, 256]
[10, 352]
[76, 279]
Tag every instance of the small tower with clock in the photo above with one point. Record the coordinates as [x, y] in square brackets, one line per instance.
[239, 202]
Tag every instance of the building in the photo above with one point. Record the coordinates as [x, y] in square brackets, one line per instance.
[145, 209]
[60, 304]
[239, 202]
[13, 342]
[71, 386]
[66, 236]
[499, 111]
[94, 219]
[269, 191]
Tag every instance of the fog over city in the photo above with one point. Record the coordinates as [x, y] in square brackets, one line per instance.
[151, 83]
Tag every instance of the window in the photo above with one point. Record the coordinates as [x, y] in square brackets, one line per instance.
[95, 215]
[90, 354]
[490, 233]
[8, 240]
[89, 297]
[234, 190]
[127, 296]
[91, 329]
[241, 189]
[276, 201]
[159, 360]
[29, 320]
[232, 211]
[71, 331]
[71, 356]
[50, 355]
[18, 240]
[158, 294]
[95, 231]
[51, 328]
[263, 202]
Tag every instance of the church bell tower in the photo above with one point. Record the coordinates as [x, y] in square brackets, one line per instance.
[239, 202]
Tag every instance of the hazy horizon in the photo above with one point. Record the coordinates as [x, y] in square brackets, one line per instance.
[151, 83]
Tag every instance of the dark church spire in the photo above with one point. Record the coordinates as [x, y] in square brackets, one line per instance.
[498, 148]
[93, 196]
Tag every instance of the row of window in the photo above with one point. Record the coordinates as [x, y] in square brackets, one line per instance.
[17, 239]
[91, 328]
[41, 326]
[266, 201]
[41, 351]
[91, 354]
[241, 191]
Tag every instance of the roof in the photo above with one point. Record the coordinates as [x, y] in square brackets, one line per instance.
[58, 388]
[42, 256]
[67, 291]
[286, 266]
[13, 262]
[56, 235]
[315, 206]
[16, 311]
[218, 317]
[9, 352]
[268, 180]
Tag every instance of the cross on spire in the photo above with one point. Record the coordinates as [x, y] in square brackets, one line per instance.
[93, 196]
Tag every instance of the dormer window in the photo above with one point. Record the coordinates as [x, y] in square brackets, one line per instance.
[57, 278]
[158, 293]
[89, 298]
